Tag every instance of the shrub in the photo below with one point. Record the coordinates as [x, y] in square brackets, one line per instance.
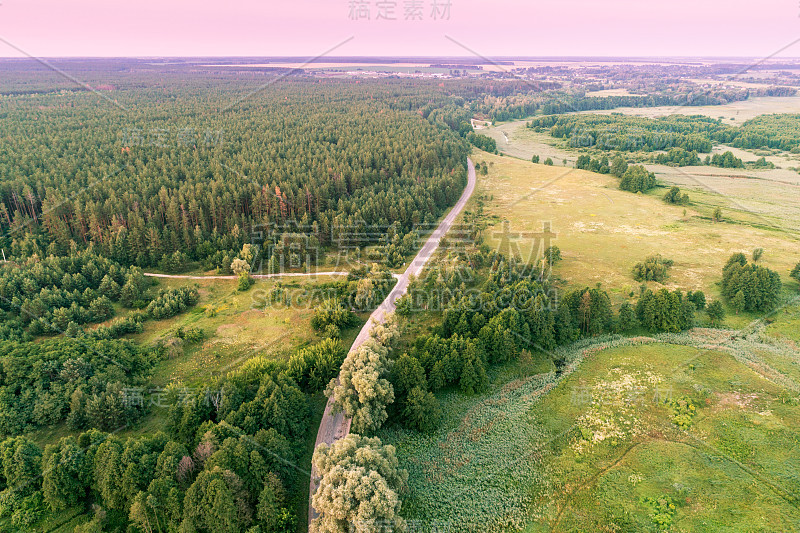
[674, 196]
[654, 268]
[683, 411]
[332, 312]
[244, 282]
[750, 287]
[191, 335]
[637, 179]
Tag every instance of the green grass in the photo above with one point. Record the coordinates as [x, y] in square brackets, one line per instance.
[583, 452]
[603, 231]
[785, 324]
[765, 199]
[242, 328]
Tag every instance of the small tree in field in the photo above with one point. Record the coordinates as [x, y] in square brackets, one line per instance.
[738, 302]
[619, 166]
[796, 273]
[716, 312]
[241, 268]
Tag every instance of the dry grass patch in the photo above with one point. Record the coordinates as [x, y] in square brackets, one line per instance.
[603, 231]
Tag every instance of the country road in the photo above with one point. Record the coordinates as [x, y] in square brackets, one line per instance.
[334, 427]
[256, 276]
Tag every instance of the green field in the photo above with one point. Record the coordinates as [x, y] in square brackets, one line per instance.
[598, 449]
[244, 326]
[764, 197]
[603, 231]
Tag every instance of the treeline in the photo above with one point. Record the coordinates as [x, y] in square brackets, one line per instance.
[777, 131]
[633, 178]
[630, 133]
[487, 144]
[688, 134]
[569, 104]
[511, 311]
[226, 463]
[560, 104]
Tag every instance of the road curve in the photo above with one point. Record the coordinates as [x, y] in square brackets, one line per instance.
[335, 427]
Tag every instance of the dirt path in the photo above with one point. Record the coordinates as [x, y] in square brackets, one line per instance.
[256, 276]
[334, 427]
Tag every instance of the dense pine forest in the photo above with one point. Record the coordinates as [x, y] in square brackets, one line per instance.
[189, 170]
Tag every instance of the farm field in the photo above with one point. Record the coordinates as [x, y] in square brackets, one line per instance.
[603, 231]
[599, 448]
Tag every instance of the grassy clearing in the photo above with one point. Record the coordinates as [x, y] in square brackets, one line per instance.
[603, 231]
[734, 113]
[599, 449]
[765, 198]
[244, 325]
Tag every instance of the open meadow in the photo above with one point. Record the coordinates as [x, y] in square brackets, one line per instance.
[603, 231]
[766, 197]
[689, 432]
[238, 326]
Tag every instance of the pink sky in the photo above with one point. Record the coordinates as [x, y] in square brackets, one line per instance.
[311, 27]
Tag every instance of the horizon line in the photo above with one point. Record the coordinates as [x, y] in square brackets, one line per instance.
[473, 59]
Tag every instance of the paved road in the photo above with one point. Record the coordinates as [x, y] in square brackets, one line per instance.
[335, 427]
